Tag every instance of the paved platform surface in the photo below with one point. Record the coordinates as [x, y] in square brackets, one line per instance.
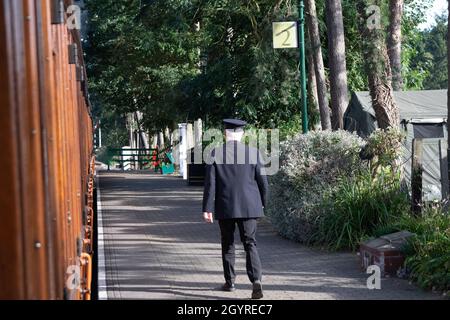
[158, 247]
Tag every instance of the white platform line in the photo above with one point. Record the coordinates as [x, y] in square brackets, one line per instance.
[102, 287]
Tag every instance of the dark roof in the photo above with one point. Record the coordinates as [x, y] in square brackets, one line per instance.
[412, 104]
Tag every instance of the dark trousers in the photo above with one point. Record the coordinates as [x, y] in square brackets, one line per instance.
[247, 231]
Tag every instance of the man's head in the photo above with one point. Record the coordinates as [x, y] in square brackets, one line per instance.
[234, 129]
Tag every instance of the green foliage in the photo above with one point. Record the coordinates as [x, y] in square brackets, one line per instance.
[290, 128]
[150, 56]
[385, 145]
[244, 76]
[418, 69]
[424, 52]
[429, 260]
[324, 193]
[310, 166]
[384, 149]
[145, 56]
[114, 131]
[428, 252]
[415, 65]
[435, 49]
[136, 55]
[414, 72]
[367, 201]
[357, 207]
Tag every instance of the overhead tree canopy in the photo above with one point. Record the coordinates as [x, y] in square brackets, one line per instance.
[178, 60]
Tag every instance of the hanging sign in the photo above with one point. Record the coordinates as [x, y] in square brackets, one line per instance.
[285, 34]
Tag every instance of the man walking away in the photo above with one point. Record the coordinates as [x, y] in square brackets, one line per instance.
[236, 190]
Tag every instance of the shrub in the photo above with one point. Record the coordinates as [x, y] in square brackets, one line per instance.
[310, 166]
[326, 194]
[384, 148]
[430, 263]
[428, 252]
[357, 207]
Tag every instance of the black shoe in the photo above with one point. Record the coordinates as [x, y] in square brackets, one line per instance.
[228, 287]
[257, 290]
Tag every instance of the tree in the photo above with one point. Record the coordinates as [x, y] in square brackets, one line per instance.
[395, 42]
[317, 62]
[313, 97]
[420, 69]
[337, 63]
[136, 54]
[434, 46]
[244, 77]
[142, 55]
[377, 64]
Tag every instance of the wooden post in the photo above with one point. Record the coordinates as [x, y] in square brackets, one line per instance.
[416, 175]
[443, 155]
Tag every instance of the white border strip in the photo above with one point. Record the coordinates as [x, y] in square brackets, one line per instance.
[102, 287]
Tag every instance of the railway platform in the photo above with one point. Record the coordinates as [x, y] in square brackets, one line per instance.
[153, 244]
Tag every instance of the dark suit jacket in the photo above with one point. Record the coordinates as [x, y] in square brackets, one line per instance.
[235, 184]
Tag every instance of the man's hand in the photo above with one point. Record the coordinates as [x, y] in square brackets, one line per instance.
[208, 216]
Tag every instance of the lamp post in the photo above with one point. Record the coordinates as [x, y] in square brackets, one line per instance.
[283, 38]
[301, 32]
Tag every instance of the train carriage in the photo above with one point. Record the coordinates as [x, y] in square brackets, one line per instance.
[47, 164]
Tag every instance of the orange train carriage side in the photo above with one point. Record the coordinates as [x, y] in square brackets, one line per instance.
[46, 162]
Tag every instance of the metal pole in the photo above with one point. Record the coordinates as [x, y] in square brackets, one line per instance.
[303, 67]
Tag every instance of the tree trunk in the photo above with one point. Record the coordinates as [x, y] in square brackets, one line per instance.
[378, 69]
[316, 50]
[338, 66]
[395, 42]
[312, 87]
